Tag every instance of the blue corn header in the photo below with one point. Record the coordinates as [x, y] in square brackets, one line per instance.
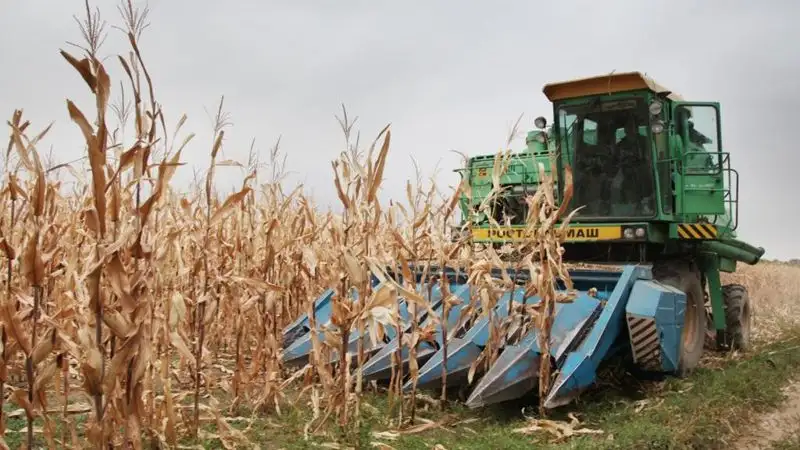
[612, 311]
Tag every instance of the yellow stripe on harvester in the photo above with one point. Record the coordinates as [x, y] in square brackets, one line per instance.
[573, 233]
[697, 231]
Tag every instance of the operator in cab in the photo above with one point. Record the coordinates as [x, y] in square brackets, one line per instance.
[629, 187]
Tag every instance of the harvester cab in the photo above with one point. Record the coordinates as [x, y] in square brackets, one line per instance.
[647, 167]
[657, 196]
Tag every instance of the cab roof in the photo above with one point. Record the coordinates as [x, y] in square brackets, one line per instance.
[605, 84]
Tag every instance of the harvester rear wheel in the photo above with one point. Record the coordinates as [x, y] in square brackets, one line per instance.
[685, 277]
[737, 317]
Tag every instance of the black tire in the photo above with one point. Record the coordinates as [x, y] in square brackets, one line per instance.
[685, 277]
[737, 317]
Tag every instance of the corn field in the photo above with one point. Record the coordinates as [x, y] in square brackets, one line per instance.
[157, 313]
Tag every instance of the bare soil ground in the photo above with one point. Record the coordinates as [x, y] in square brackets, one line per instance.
[776, 426]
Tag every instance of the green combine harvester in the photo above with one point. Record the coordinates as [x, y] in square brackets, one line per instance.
[666, 195]
[658, 197]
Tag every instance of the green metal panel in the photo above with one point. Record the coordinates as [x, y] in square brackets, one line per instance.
[522, 170]
[710, 265]
[727, 265]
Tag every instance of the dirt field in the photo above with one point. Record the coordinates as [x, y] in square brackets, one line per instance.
[776, 295]
[776, 426]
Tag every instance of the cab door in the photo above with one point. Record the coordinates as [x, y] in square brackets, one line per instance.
[701, 187]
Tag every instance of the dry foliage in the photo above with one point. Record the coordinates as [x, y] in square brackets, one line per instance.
[123, 294]
[153, 309]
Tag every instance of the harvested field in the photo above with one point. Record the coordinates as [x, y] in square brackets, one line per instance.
[775, 295]
[133, 315]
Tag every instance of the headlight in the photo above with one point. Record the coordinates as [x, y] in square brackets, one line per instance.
[540, 122]
[657, 127]
[655, 108]
[639, 232]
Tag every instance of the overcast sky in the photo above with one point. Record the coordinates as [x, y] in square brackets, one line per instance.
[448, 75]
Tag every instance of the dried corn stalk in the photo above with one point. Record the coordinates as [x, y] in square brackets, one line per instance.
[156, 302]
[543, 256]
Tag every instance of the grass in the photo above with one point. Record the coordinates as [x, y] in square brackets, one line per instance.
[701, 411]
[705, 410]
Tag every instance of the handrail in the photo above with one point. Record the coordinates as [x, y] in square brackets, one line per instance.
[722, 168]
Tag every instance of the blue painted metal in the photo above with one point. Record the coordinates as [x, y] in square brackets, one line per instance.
[461, 352]
[579, 367]
[322, 312]
[371, 348]
[654, 314]
[323, 306]
[515, 372]
[298, 351]
[585, 332]
[379, 367]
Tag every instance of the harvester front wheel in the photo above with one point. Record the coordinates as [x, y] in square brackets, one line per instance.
[686, 277]
[737, 317]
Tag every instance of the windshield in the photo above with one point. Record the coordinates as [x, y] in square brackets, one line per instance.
[607, 145]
